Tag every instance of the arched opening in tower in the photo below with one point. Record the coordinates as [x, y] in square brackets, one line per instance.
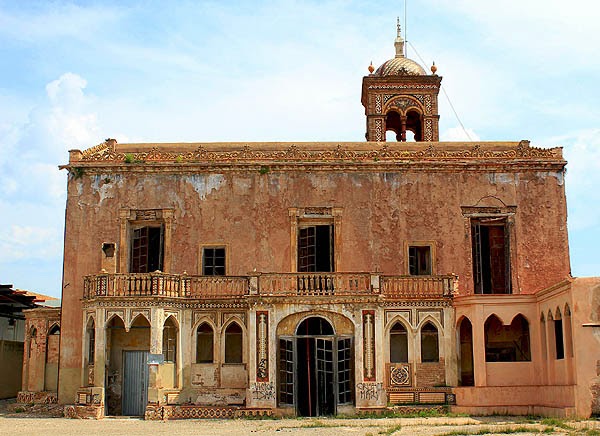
[394, 124]
[414, 123]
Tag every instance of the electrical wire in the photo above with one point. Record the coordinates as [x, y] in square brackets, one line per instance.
[445, 93]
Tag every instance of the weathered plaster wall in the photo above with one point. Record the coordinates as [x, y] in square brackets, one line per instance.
[248, 212]
[586, 341]
[11, 361]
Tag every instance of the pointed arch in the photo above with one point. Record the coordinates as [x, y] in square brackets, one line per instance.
[234, 342]
[90, 340]
[507, 343]
[398, 343]
[430, 348]
[465, 352]
[140, 319]
[557, 314]
[115, 319]
[205, 342]
[54, 329]
[169, 339]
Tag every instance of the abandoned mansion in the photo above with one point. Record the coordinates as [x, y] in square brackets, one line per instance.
[308, 279]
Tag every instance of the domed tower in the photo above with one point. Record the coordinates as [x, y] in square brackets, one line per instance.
[400, 96]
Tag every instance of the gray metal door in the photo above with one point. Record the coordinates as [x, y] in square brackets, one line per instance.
[135, 383]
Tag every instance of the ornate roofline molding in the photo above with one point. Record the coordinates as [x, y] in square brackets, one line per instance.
[316, 153]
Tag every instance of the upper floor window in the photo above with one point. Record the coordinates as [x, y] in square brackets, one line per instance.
[491, 255]
[146, 249]
[213, 261]
[419, 260]
[315, 248]
[144, 243]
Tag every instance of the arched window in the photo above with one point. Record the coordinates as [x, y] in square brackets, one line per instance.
[430, 351]
[54, 330]
[170, 341]
[204, 343]
[91, 341]
[233, 343]
[467, 368]
[398, 344]
[558, 336]
[507, 343]
[32, 340]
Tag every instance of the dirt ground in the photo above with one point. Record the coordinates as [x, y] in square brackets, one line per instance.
[15, 421]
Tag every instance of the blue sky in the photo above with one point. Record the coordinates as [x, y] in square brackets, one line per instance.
[74, 73]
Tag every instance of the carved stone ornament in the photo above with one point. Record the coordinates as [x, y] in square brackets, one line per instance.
[339, 153]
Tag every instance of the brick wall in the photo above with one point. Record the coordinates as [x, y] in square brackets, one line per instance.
[431, 374]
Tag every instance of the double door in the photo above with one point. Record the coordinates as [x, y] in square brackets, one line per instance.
[315, 373]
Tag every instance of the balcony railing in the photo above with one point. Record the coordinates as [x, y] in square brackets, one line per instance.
[314, 284]
[160, 284]
[417, 287]
[164, 285]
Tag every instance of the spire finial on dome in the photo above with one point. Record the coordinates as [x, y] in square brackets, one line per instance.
[399, 42]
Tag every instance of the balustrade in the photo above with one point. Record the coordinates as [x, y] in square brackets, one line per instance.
[269, 284]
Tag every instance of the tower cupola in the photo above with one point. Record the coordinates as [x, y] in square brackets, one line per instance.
[400, 97]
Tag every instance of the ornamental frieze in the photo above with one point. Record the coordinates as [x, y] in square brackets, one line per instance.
[294, 153]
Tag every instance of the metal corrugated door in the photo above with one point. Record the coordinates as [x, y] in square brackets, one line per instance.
[135, 383]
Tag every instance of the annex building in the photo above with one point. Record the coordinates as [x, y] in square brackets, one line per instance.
[219, 279]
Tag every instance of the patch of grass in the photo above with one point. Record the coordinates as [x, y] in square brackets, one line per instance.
[592, 432]
[391, 430]
[318, 424]
[19, 410]
[484, 431]
[129, 158]
[77, 172]
[264, 169]
[555, 422]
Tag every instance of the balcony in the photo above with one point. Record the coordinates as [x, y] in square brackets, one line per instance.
[158, 284]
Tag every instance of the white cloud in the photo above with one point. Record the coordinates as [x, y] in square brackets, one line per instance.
[459, 134]
[581, 149]
[19, 242]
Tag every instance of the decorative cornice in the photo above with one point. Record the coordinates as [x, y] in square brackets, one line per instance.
[238, 154]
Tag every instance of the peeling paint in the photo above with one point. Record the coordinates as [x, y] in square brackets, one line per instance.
[204, 184]
[559, 176]
[104, 184]
[501, 178]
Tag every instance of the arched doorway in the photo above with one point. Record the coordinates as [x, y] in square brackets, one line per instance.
[315, 368]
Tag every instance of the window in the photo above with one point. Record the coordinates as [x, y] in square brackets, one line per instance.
[558, 336]
[429, 343]
[398, 344]
[170, 341]
[315, 248]
[419, 260]
[146, 249]
[204, 343]
[91, 332]
[507, 343]
[213, 261]
[233, 343]
[491, 255]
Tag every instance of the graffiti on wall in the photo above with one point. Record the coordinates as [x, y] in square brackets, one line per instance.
[263, 391]
[369, 391]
